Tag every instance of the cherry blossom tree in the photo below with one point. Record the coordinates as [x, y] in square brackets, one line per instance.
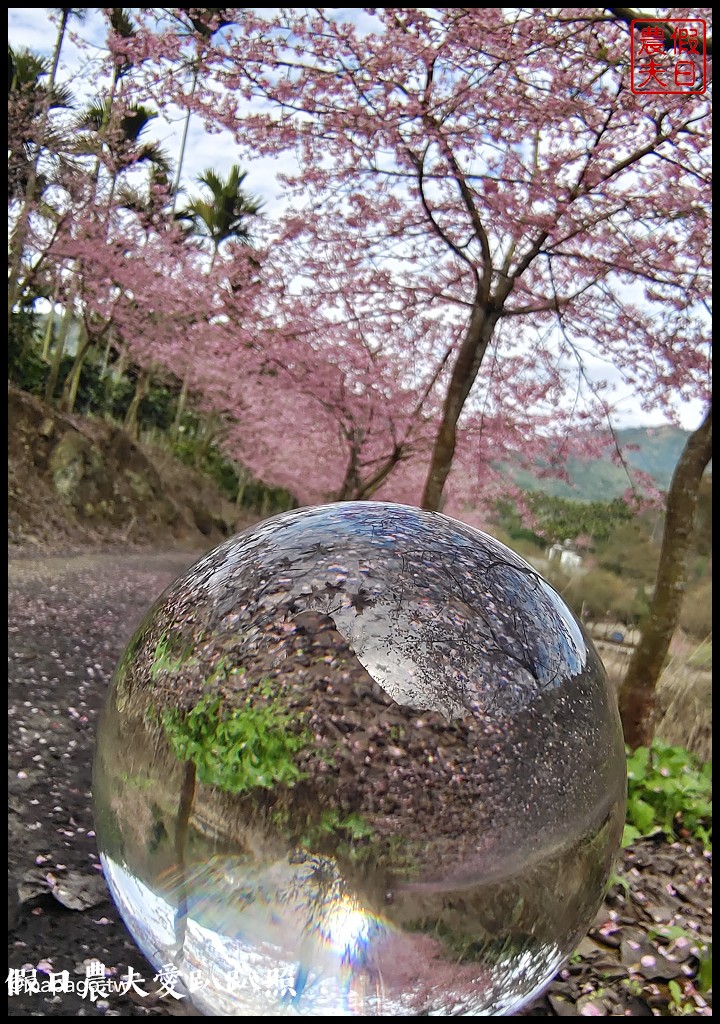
[497, 168]
[491, 171]
[481, 209]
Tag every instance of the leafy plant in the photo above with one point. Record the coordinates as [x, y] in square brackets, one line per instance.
[633, 986]
[353, 827]
[678, 1005]
[669, 791]
[703, 950]
[704, 975]
[238, 749]
[192, 450]
[620, 880]
[26, 368]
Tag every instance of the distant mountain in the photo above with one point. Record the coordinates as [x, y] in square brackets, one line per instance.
[659, 449]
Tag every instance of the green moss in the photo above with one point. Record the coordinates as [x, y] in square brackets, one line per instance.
[238, 750]
[172, 659]
[401, 856]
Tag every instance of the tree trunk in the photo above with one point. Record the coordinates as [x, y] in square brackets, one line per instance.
[49, 328]
[244, 479]
[182, 829]
[351, 484]
[120, 364]
[356, 489]
[59, 39]
[470, 357]
[106, 354]
[17, 243]
[637, 693]
[183, 143]
[51, 382]
[210, 432]
[180, 409]
[375, 482]
[72, 381]
[131, 416]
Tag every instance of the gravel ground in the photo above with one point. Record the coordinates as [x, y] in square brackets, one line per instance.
[69, 619]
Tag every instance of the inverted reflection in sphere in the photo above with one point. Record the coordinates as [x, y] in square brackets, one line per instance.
[360, 760]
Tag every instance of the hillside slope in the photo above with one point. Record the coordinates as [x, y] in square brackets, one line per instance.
[658, 450]
[75, 481]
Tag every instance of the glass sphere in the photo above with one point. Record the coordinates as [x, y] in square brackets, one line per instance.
[360, 760]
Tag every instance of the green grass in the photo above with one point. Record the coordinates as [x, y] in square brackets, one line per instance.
[701, 657]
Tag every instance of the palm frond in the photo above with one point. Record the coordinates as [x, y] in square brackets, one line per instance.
[206, 21]
[121, 22]
[153, 153]
[122, 26]
[94, 117]
[25, 73]
[135, 121]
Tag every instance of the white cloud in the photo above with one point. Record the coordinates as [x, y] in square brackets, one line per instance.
[35, 28]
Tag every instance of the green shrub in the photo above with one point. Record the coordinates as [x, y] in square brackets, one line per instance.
[669, 791]
[629, 552]
[238, 749]
[157, 409]
[26, 367]
[194, 452]
[602, 595]
[209, 459]
[119, 392]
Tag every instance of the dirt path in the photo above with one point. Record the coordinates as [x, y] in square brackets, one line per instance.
[69, 620]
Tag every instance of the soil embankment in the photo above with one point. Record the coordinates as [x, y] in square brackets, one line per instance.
[77, 483]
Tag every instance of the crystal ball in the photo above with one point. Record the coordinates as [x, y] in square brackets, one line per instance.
[359, 760]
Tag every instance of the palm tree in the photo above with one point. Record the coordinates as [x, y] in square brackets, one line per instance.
[21, 228]
[223, 214]
[201, 19]
[65, 13]
[98, 116]
[28, 98]
[30, 134]
[118, 137]
[104, 132]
